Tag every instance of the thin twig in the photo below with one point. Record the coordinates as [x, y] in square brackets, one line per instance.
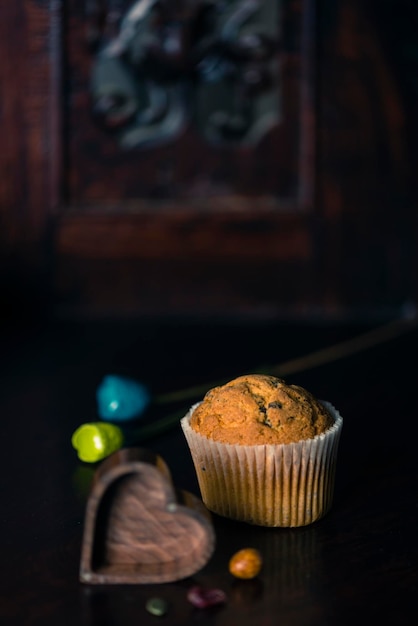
[314, 359]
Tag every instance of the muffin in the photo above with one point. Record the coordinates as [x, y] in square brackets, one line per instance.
[264, 451]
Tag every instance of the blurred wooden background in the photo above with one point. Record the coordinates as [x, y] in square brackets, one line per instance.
[316, 221]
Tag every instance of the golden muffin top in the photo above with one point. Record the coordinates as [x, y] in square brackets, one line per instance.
[260, 409]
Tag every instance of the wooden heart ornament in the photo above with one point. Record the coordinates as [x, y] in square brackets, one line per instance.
[138, 527]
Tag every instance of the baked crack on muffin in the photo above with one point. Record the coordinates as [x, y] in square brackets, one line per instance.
[264, 451]
[260, 409]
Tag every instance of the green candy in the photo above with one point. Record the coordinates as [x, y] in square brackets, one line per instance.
[94, 441]
[157, 606]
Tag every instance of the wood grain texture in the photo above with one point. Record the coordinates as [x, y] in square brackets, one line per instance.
[138, 529]
[340, 240]
[30, 114]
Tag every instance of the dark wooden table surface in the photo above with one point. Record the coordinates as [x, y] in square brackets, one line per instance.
[358, 565]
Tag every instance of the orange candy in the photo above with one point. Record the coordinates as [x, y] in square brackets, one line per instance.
[246, 563]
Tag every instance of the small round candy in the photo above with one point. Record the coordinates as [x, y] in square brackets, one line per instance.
[121, 399]
[202, 597]
[246, 563]
[95, 441]
[157, 606]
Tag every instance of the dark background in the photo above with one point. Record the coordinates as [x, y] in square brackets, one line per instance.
[338, 244]
[178, 290]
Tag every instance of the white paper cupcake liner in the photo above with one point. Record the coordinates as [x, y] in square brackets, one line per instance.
[284, 485]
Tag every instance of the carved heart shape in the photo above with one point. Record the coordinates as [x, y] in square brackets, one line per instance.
[138, 527]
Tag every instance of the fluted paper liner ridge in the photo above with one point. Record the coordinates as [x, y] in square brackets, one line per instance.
[283, 485]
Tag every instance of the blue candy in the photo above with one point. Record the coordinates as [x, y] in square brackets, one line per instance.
[121, 399]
